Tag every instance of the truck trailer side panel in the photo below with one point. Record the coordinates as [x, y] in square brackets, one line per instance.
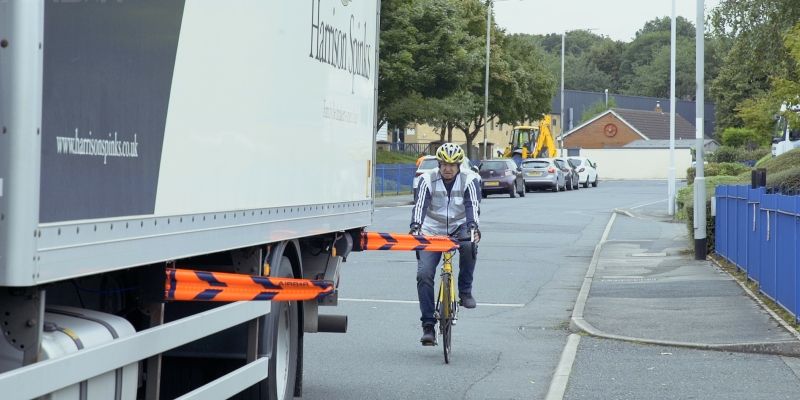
[158, 130]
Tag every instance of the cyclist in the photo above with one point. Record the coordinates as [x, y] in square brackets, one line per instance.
[447, 204]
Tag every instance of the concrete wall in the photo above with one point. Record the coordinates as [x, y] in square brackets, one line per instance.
[638, 163]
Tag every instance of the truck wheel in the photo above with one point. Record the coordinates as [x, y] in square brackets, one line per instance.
[284, 325]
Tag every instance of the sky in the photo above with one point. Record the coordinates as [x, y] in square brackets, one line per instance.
[617, 19]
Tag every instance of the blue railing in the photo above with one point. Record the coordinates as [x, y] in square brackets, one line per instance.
[394, 178]
[759, 232]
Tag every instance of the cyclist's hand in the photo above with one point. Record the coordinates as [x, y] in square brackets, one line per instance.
[416, 229]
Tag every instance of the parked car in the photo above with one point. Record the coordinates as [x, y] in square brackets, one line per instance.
[501, 176]
[430, 163]
[571, 177]
[542, 173]
[587, 170]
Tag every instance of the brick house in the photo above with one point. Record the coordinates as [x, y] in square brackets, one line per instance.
[617, 127]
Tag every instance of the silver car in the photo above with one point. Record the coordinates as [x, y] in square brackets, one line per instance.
[543, 173]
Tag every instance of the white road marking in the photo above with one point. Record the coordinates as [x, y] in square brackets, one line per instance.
[416, 302]
[648, 204]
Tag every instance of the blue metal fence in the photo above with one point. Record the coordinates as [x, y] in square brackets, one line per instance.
[394, 178]
[759, 232]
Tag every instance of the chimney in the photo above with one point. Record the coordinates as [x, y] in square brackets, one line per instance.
[658, 106]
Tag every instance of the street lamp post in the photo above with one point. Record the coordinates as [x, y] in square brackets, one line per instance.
[699, 180]
[671, 175]
[561, 135]
[486, 83]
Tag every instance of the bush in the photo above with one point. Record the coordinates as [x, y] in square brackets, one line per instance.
[685, 206]
[684, 197]
[737, 154]
[786, 181]
[717, 169]
[710, 231]
[743, 137]
[725, 154]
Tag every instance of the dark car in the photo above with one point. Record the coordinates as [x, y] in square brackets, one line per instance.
[501, 176]
[571, 175]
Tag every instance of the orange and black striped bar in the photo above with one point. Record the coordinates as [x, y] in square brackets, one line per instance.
[191, 285]
[404, 241]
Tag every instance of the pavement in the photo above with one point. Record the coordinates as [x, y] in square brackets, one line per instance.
[643, 286]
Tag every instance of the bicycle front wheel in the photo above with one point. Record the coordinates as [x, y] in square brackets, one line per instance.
[446, 316]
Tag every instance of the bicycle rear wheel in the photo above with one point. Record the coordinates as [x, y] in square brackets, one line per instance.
[446, 316]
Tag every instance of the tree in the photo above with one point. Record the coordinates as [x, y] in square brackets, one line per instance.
[753, 32]
[653, 79]
[607, 56]
[598, 108]
[396, 75]
[743, 137]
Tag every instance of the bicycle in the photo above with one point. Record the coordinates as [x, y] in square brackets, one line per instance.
[446, 303]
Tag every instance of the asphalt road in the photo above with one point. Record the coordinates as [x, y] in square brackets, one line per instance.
[531, 263]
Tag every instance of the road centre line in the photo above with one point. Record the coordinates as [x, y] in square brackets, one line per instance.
[416, 302]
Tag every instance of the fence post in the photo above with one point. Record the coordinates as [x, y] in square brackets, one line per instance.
[397, 179]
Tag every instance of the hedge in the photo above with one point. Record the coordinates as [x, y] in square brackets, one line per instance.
[786, 181]
[717, 169]
[738, 154]
[685, 206]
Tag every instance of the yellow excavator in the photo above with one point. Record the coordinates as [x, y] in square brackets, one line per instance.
[533, 141]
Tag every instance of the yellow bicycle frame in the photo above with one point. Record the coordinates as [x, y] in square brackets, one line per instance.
[447, 267]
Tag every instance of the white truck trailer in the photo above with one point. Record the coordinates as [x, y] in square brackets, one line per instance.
[231, 136]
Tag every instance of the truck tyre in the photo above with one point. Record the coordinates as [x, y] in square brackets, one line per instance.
[284, 325]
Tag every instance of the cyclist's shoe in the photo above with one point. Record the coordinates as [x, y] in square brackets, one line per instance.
[428, 335]
[467, 301]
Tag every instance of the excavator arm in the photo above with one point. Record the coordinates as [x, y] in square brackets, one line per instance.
[545, 145]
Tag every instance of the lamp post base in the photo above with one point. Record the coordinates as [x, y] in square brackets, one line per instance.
[700, 252]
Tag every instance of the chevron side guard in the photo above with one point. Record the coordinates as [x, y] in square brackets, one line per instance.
[405, 242]
[191, 285]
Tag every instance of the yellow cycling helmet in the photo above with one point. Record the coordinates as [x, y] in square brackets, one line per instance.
[450, 153]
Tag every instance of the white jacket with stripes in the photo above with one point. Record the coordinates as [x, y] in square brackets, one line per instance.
[440, 212]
